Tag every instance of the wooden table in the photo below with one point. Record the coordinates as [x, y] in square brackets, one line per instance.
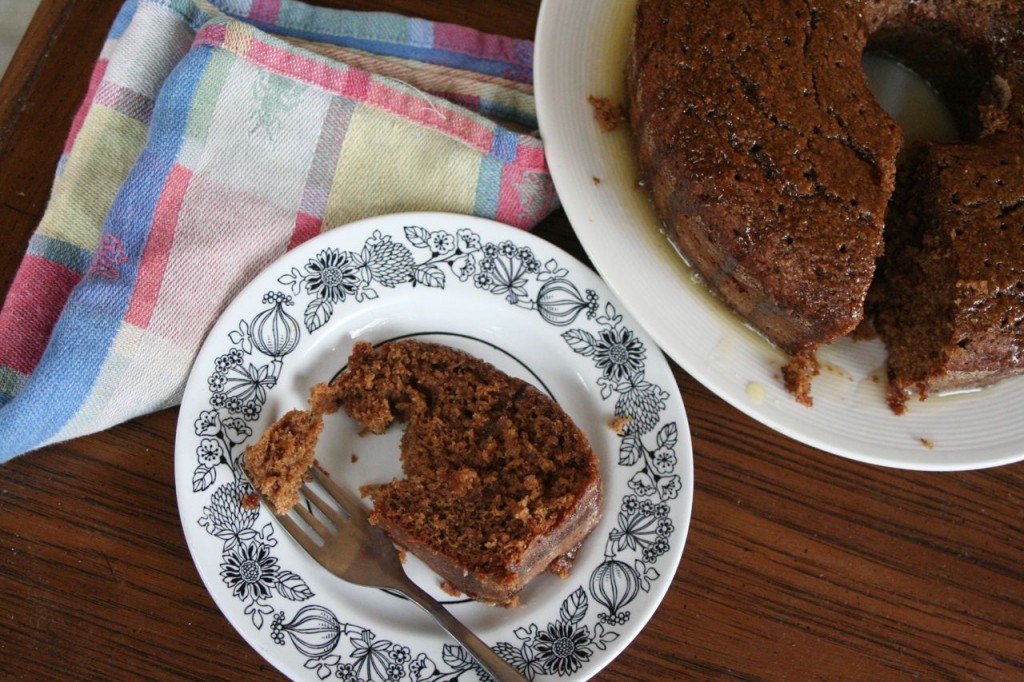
[798, 565]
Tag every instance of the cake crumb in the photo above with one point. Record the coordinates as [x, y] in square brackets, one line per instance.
[464, 480]
[797, 375]
[278, 462]
[450, 589]
[619, 424]
[251, 501]
[896, 398]
[597, 181]
[928, 443]
[355, 458]
[607, 113]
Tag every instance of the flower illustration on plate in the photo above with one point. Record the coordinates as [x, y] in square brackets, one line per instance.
[210, 451]
[620, 356]
[241, 378]
[332, 276]
[618, 353]
[642, 525]
[440, 242]
[240, 387]
[347, 672]
[523, 658]
[468, 240]
[563, 647]
[236, 430]
[248, 384]
[385, 261]
[641, 402]
[653, 479]
[664, 460]
[463, 261]
[335, 276]
[216, 382]
[250, 571]
[208, 423]
[371, 654]
[227, 519]
[506, 270]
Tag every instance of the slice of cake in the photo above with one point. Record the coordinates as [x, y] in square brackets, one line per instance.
[500, 484]
[950, 296]
[277, 463]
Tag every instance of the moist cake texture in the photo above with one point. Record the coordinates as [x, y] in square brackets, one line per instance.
[771, 165]
[952, 285]
[277, 463]
[499, 484]
[766, 155]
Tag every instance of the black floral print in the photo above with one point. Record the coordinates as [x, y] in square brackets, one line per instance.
[241, 378]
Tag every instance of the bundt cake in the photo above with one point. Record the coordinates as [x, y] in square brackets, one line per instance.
[500, 484]
[771, 165]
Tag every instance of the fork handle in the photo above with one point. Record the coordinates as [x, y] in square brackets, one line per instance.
[494, 664]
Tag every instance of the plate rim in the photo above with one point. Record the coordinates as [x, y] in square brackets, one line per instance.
[189, 508]
[570, 181]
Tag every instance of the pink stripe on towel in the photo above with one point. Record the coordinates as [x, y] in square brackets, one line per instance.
[29, 314]
[158, 248]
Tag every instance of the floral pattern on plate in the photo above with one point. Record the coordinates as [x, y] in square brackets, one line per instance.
[279, 602]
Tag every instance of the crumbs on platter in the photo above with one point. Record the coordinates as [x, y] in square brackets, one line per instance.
[607, 113]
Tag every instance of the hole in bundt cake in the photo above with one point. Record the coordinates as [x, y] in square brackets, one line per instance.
[909, 99]
[935, 57]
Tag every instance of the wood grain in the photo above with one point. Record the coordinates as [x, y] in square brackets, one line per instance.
[798, 565]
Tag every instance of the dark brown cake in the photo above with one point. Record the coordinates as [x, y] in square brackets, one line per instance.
[767, 157]
[952, 286]
[277, 463]
[500, 484]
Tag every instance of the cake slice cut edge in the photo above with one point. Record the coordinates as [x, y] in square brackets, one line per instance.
[500, 484]
[520, 485]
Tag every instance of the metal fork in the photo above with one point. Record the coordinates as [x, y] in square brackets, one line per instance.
[359, 552]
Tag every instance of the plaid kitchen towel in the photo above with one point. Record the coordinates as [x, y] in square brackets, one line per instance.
[213, 138]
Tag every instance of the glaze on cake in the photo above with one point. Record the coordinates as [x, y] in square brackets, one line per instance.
[769, 161]
[952, 285]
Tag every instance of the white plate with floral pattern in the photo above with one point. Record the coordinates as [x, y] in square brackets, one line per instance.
[581, 50]
[503, 295]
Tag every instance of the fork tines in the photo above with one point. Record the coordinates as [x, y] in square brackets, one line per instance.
[351, 504]
[354, 512]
